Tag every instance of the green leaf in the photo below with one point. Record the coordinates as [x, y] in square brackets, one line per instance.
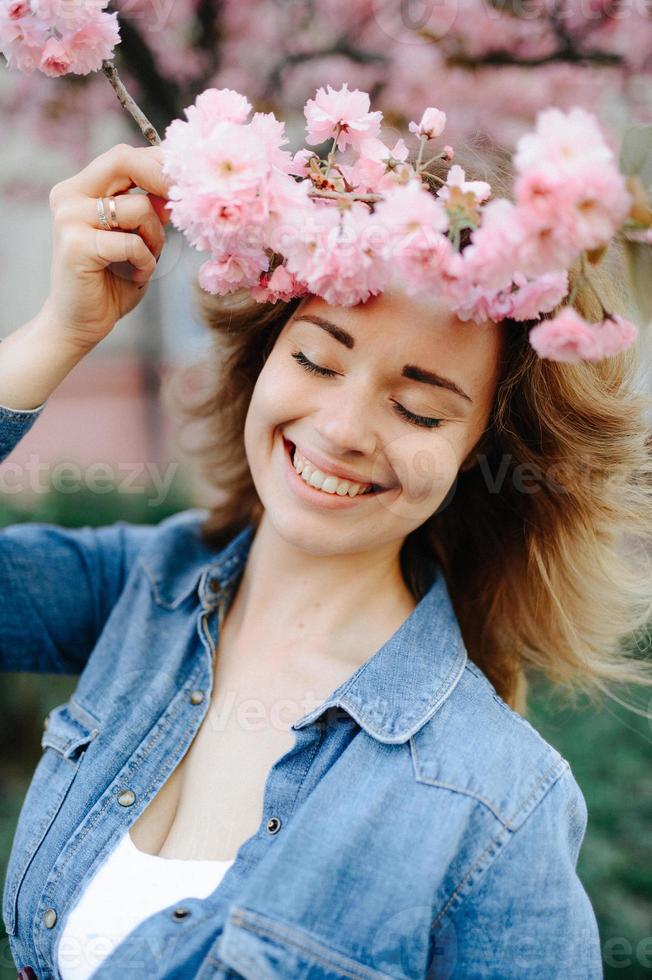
[639, 265]
[636, 153]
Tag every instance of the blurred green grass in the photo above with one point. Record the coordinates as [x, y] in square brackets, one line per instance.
[609, 749]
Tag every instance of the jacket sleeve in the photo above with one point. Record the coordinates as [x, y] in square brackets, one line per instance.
[57, 585]
[529, 916]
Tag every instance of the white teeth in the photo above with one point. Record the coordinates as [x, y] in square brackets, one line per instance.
[324, 481]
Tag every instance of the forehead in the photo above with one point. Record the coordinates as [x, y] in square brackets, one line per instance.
[402, 329]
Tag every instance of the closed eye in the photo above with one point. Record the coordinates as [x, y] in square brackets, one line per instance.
[421, 420]
[309, 366]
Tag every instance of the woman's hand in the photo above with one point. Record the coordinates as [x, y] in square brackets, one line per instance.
[98, 275]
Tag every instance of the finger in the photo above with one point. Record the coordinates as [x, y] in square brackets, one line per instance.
[134, 212]
[119, 169]
[160, 206]
[118, 246]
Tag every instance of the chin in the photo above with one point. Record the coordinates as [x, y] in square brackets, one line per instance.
[311, 534]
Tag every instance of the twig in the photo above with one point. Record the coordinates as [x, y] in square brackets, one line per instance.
[422, 145]
[126, 101]
[340, 195]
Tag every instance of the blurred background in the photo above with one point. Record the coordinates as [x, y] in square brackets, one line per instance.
[107, 448]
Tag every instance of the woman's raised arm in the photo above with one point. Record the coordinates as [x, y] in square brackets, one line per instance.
[58, 586]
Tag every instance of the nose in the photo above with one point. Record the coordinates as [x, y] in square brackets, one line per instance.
[346, 424]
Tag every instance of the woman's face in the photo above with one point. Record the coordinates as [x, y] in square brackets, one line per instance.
[408, 393]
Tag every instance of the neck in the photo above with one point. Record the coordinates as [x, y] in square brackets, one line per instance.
[345, 604]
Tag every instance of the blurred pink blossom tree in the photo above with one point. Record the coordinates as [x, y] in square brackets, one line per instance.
[491, 64]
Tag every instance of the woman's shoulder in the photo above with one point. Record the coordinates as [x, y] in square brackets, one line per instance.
[477, 745]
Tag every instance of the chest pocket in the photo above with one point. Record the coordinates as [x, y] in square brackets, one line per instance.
[258, 947]
[68, 731]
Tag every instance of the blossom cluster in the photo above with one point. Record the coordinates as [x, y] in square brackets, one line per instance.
[57, 37]
[286, 225]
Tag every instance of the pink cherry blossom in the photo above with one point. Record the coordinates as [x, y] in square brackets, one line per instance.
[300, 165]
[496, 246]
[234, 194]
[456, 177]
[281, 285]
[414, 222]
[574, 210]
[340, 257]
[22, 41]
[616, 334]
[58, 37]
[567, 337]
[288, 207]
[271, 132]
[540, 295]
[343, 113]
[598, 203]
[215, 105]
[432, 124]
[228, 164]
[55, 60]
[523, 300]
[229, 273]
[90, 44]
[481, 305]
[566, 141]
[377, 164]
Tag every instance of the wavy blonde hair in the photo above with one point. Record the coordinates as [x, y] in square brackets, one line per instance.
[558, 578]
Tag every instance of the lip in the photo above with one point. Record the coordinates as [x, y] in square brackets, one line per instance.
[321, 463]
[321, 498]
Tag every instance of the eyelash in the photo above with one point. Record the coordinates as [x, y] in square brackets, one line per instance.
[422, 420]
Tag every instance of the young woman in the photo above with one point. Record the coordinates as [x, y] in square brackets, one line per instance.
[295, 748]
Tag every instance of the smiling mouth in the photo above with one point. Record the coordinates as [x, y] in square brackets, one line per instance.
[375, 489]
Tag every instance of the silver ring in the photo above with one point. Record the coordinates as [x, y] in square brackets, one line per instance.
[101, 214]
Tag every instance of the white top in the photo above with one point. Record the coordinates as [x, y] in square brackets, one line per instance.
[125, 890]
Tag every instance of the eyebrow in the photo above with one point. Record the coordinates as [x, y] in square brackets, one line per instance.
[408, 371]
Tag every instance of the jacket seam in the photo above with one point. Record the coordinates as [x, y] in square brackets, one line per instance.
[498, 842]
[507, 822]
[440, 784]
[305, 946]
[77, 842]
[128, 770]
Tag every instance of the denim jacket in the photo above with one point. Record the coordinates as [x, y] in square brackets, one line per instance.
[418, 827]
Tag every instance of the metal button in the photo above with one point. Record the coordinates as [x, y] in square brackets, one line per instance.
[196, 697]
[49, 918]
[180, 913]
[127, 797]
[214, 585]
[273, 825]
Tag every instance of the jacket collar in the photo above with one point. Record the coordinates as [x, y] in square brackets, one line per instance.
[394, 693]
[398, 689]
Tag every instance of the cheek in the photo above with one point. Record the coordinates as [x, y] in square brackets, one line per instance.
[273, 402]
[426, 466]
